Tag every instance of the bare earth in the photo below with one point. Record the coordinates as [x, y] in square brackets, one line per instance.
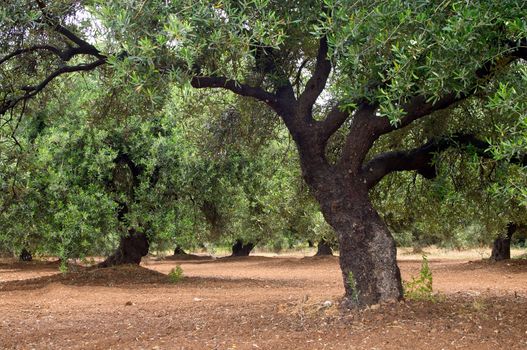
[256, 303]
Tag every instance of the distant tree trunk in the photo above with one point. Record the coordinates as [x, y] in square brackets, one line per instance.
[324, 248]
[310, 243]
[501, 249]
[241, 249]
[25, 255]
[179, 251]
[130, 251]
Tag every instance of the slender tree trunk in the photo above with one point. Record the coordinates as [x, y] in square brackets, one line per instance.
[366, 246]
[242, 249]
[501, 249]
[130, 251]
[324, 248]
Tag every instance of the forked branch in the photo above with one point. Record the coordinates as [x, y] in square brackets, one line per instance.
[316, 84]
[76, 46]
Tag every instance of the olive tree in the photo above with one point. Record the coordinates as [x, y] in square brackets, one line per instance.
[366, 69]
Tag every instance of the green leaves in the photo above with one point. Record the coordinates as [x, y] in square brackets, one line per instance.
[421, 286]
[420, 48]
[509, 103]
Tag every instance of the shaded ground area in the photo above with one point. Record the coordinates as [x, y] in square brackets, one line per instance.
[255, 303]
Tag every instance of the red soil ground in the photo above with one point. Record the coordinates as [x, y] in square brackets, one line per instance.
[255, 303]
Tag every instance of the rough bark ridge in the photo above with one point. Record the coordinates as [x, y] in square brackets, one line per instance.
[130, 251]
[324, 248]
[501, 248]
[242, 249]
[366, 247]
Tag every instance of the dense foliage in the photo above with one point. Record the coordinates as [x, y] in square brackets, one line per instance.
[207, 178]
[150, 145]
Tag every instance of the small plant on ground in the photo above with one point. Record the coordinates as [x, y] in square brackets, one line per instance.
[352, 284]
[420, 287]
[176, 274]
[63, 267]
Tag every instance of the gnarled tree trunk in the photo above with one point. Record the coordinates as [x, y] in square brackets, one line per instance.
[367, 248]
[179, 251]
[501, 249]
[242, 249]
[130, 251]
[25, 255]
[324, 248]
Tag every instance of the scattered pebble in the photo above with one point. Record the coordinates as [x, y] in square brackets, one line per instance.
[327, 303]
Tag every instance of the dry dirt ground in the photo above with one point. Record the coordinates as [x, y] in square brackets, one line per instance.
[256, 303]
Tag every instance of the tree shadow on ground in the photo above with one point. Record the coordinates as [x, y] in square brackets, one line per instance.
[132, 276]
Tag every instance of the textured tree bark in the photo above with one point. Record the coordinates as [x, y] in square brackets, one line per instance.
[367, 249]
[242, 249]
[324, 248]
[130, 251]
[501, 249]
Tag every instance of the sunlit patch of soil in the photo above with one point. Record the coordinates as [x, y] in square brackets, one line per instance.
[255, 303]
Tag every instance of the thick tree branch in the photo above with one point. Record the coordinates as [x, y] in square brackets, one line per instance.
[418, 106]
[316, 84]
[19, 52]
[32, 90]
[360, 138]
[54, 23]
[236, 87]
[421, 158]
[334, 120]
[367, 126]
